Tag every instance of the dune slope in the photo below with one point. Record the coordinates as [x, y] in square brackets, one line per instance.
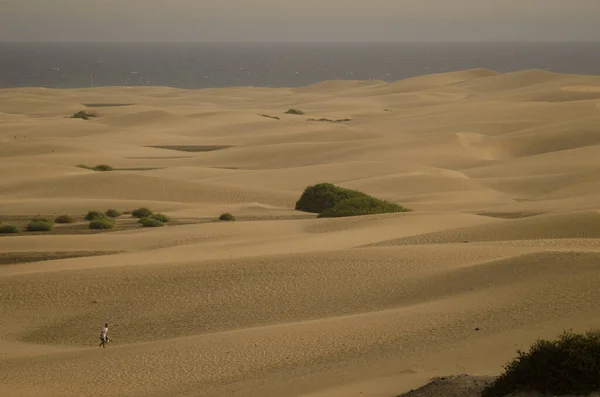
[502, 244]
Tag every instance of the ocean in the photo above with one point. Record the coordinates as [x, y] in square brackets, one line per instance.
[272, 65]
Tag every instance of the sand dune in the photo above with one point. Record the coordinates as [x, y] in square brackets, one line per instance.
[501, 246]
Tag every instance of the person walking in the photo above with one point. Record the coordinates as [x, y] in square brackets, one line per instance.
[104, 336]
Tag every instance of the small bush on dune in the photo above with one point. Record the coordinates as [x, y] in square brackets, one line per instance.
[361, 206]
[150, 222]
[100, 167]
[8, 229]
[82, 114]
[112, 213]
[160, 217]
[102, 223]
[568, 365]
[295, 111]
[90, 216]
[226, 217]
[64, 219]
[141, 212]
[103, 167]
[38, 225]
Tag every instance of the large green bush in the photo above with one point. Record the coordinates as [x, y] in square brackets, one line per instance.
[319, 197]
[568, 365]
[329, 200]
[9, 229]
[361, 206]
[141, 213]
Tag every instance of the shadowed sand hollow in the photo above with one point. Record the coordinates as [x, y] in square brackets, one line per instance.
[501, 247]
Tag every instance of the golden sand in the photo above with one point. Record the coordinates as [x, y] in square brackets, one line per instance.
[502, 246]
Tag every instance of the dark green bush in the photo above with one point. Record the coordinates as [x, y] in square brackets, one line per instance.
[568, 365]
[102, 223]
[103, 167]
[160, 217]
[150, 222]
[329, 200]
[226, 217]
[112, 213]
[8, 229]
[141, 213]
[40, 226]
[90, 216]
[361, 206]
[64, 219]
[295, 111]
[319, 197]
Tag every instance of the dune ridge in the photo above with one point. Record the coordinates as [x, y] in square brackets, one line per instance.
[501, 246]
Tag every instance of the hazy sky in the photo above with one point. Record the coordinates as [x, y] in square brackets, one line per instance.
[299, 20]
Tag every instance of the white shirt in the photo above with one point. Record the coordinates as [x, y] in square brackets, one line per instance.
[104, 331]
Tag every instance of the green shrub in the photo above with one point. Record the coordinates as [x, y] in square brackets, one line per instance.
[150, 222]
[226, 217]
[38, 225]
[568, 365]
[160, 217]
[319, 197]
[329, 200]
[8, 229]
[103, 167]
[90, 216]
[82, 114]
[64, 219]
[102, 223]
[112, 213]
[295, 111]
[361, 206]
[141, 213]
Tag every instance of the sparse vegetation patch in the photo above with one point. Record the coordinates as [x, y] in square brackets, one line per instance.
[295, 111]
[569, 365]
